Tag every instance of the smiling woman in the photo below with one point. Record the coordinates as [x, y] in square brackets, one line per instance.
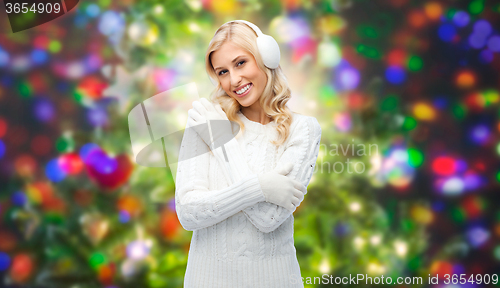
[233, 61]
[239, 201]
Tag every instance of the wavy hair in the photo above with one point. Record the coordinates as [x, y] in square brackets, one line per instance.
[276, 93]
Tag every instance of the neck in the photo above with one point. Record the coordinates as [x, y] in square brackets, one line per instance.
[255, 115]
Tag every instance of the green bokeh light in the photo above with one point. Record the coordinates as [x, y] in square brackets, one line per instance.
[476, 7]
[415, 157]
[367, 51]
[415, 63]
[409, 123]
[54, 46]
[97, 259]
[65, 144]
[459, 111]
[450, 13]
[390, 103]
[366, 31]
[25, 89]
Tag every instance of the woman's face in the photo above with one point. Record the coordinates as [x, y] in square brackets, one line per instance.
[239, 74]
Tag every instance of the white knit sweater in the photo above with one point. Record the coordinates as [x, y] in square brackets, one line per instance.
[239, 240]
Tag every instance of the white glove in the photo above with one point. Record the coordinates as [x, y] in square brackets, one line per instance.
[281, 190]
[204, 112]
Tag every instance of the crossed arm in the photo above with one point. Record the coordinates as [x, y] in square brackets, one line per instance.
[302, 150]
[198, 207]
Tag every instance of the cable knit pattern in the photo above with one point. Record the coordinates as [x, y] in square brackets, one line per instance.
[239, 240]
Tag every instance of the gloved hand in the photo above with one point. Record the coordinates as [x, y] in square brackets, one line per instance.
[216, 123]
[281, 190]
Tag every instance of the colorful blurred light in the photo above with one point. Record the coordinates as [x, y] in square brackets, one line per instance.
[421, 214]
[395, 75]
[112, 24]
[138, 250]
[477, 236]
[4, 261]
[415, 63]
[86, 149]
[123, 216]
[54, 172]
[465, 79]
[482, 28]
[3, 127]
[453, 186]
[433, 10]
[396, 168]
[328, 54]
[480, 134]
[472, 181]
[477, 41]
[4, 58]
[25, 165]
[101, 162]
[22, 267]
[476, 7]
[39, 56]
[494, 43]
[2, 149]
[97, 116]
[97, 259]
[348, 78]
[461, 18]
[92, 10]
[70, 163]
[424, 112]
[409, 123]
[289, 29]
[43, 109]
[447, 32]
[473, 206]
[444, 166]
[342, 121]
[416, 18]
[397, 57]
[415, 157]
[131, 204]
[19, 198]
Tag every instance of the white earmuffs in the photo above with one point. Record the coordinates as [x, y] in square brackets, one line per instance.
[268, 47]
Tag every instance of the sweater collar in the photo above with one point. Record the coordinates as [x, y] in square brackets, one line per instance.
[269, 129]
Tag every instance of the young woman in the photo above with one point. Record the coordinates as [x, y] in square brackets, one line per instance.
[238, 197]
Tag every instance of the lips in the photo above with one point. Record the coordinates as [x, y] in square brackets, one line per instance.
[246, 92]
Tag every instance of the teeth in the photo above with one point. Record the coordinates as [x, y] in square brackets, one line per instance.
[243, 90]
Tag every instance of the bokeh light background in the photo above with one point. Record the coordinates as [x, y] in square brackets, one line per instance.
[413, 86]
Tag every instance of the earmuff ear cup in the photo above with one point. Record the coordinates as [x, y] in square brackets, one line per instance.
[269, 51]
[268, 47]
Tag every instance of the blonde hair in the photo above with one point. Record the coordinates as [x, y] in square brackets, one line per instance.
[276, 93]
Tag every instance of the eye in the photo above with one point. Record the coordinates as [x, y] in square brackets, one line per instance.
[221, 72]
[241, 62]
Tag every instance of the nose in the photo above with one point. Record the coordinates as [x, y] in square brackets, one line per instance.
[235, 79]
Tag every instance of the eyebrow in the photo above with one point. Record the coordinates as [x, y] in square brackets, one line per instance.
[234, 60]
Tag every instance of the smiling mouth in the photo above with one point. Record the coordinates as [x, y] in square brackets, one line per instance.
[249, 85]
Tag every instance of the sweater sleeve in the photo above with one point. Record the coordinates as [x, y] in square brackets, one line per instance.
[302, 150]
[198, 207]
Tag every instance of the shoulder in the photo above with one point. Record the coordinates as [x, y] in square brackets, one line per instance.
[304, 126]
[302, 122]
